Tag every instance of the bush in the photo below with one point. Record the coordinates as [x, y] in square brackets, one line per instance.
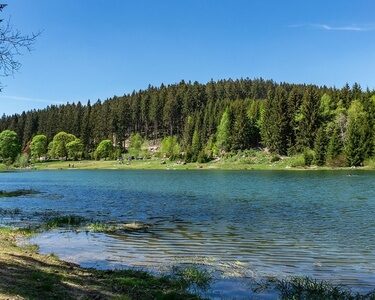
[22, 161]
[275, 158]
[308, 156]
[104, 150]
[338, 161]
[202, 157]
[297, 161]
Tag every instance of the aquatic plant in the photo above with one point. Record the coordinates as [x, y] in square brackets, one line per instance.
[193, 277]
[307, 288]
[17, 193]
[142, 285]
[61, 221]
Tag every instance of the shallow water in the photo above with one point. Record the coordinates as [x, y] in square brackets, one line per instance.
[248, 225]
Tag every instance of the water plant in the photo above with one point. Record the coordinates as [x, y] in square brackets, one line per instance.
[17, 193]
[307, 288]
[194, 277]
[62, 221]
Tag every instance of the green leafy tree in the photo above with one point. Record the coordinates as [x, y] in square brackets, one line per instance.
[75, 149]
[59, 142]
[104, 150]
[170, 147]
[38, 146]
[135, 145]
[195, 145]
[10, 146]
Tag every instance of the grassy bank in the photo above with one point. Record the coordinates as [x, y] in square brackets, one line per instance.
[25, 274]
[258, 161]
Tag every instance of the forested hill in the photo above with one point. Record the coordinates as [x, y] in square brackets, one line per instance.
[227, 114]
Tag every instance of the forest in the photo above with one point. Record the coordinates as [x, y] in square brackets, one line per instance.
[197, 122]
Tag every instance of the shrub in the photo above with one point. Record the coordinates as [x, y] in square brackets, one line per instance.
[104, 150]
[308, 156]
[22, 161]
[338, 161]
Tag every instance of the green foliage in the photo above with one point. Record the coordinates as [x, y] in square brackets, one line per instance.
[309, 119]
[170, 147]
[275, 130]
[355, 145]
[38, 146]
[75, 149]
[335, 144]
[62, 221]
[326, 108]
[58, 147]
[193, 277]
[10, 146]
[104, 150]
[241, 133]
[195, 146]
[235, 114]
[22, 161]
[222, 135]
[136, 143]
[320, 147]
[307, 288]
[308, 156]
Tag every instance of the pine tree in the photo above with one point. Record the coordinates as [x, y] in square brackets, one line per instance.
[309, 119]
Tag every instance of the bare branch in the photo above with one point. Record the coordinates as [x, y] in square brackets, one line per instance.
[12, 44]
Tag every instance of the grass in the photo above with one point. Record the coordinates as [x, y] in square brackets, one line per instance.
[64, 221]
[307, 288]
[17, 193]
[242, 160]
[25, 274]
[193, 277]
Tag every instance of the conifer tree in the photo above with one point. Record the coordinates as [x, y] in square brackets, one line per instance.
[356, 134]
[222, 136]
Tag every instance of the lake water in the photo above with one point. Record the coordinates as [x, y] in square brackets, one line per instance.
[242, 226]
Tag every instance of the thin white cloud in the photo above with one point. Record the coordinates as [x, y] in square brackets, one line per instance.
[357, 28]
[28, 99]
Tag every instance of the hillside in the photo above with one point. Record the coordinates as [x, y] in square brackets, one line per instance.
[219, 117]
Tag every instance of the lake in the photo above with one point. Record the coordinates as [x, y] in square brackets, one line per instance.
[243, 226]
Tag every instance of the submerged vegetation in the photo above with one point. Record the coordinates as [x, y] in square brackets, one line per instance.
[63, 221]
[307, 288]
[17, 193]
[193, 122]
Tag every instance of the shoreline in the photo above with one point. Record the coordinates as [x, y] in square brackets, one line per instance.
[159, 164]
[26, 274]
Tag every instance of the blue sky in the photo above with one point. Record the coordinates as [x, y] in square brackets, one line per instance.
[92, 49]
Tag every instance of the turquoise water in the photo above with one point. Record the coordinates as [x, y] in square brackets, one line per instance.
[240, 225]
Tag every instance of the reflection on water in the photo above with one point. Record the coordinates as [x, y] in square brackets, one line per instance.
[248, 225]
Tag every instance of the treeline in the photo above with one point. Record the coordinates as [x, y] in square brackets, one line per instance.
[334, 126]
